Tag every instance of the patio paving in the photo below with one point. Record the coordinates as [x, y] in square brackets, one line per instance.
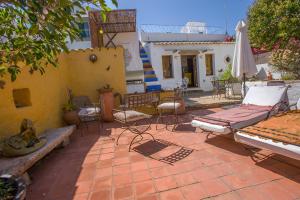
[178, 165]
[199, 99]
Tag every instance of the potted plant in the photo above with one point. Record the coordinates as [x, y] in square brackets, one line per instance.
[12, 188]
[70, 115]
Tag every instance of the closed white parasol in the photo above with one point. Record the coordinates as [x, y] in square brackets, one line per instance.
[243, 64]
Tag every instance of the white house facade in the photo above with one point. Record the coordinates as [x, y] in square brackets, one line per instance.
[195, 58]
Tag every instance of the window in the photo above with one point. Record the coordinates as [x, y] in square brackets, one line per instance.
[209, 64]
[84, 30]
[167, 66]
[21, 97]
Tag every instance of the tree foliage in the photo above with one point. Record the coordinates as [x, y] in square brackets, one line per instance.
[34, 32]
[287, 59]
[275, 25]
[272, 23]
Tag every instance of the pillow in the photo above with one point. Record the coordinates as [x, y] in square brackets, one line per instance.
[265, 95]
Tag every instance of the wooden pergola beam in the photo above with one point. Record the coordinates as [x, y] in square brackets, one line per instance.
[117, 21]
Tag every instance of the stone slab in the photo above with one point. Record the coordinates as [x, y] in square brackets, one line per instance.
[17, 166]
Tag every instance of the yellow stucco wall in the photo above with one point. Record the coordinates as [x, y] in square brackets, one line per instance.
[86, 77]
[49, 92]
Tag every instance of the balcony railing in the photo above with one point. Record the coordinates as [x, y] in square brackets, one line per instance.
[184, 29]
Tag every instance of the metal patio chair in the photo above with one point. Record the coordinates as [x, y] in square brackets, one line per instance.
[219, 88]
[87, 111]
[170, 106]
[130, 116]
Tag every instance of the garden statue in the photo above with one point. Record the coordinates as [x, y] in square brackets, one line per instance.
[23, 143]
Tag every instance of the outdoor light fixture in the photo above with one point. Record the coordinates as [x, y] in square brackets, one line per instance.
[93, 58]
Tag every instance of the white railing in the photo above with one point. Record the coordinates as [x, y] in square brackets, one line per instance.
[184, 29]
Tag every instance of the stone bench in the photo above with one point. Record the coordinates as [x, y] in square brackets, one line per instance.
[18, 166]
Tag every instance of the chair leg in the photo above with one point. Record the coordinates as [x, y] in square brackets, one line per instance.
[176, 121]
[131, 143]
[141, 135]
[159, 118]
[150, 135]
[99, 126]
[121, 134]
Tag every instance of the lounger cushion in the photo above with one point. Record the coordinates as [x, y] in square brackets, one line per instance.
[168, 106]
[130, 116]
[289, 150]
[211, 127]
[298, 104]
[265, 95]
[238, 117]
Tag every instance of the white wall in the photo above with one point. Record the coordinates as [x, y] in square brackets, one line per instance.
[220, 51]
[130, 42]
[79, 45]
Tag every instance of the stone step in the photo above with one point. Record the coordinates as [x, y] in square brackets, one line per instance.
[150, 79]
[151, 88]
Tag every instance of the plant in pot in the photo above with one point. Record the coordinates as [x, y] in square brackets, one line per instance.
[12, 188]
[70, 115]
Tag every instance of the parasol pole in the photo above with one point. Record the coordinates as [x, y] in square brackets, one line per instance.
[244, 85]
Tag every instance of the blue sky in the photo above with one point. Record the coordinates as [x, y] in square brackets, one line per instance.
[178, 12]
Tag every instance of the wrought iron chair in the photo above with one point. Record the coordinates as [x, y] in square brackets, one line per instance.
[130, 116]
[170, 105]
[185, 82]
[219, 88]
[87, 111]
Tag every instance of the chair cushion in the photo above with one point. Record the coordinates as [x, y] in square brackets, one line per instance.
[168, 106]
[90, 111]
[130, 116]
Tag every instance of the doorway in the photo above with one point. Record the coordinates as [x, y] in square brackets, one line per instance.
[189, 70]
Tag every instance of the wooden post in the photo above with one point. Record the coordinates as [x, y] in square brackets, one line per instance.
[96, 37]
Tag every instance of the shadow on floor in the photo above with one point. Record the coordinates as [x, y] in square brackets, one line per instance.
[163, 151]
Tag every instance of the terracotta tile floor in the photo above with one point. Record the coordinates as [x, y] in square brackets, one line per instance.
[179, 165]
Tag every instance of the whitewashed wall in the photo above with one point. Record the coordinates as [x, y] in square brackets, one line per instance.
[79, 45]
[220, 51]
[129, 41]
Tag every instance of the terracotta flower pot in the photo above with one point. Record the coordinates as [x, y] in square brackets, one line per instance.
[107, 104]
[71, 118]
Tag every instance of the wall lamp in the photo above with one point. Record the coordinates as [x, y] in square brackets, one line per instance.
[93, 58]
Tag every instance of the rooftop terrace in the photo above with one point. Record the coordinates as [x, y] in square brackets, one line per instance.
[178, 165]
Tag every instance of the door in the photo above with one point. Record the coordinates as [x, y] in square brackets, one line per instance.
[189, 69]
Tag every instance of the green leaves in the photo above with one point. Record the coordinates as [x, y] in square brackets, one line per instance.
[275, 26]
[35, 32]
[274, 22]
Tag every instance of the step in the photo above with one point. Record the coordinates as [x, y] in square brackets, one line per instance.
[152, 83]
[150, 79]
[149, 72]
[148, 69]
[142, 50]
[146, 61]
[150, 76]
[151, 88]
[147, 65]
[143, 55]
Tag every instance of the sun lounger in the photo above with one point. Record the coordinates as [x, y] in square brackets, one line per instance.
[259, 104]
[280, 134]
